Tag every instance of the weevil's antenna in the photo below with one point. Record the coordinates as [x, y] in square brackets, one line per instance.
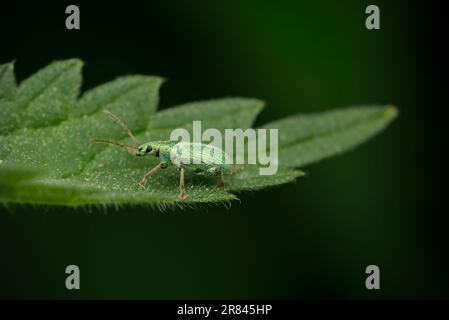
[121, 124]
[129, 147]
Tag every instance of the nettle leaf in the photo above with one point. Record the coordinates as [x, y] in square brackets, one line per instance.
[45, 133]
[8, 91]
[305, 139]
[8, 86]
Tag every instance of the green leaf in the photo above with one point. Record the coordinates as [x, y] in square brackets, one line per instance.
[305, 139]
[46, 157]
[219, 114]
[28, 185]
[7, 81]
[46, 97]
[250, 179]
[8, 91]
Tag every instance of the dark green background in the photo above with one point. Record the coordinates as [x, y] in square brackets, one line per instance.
[377, 205]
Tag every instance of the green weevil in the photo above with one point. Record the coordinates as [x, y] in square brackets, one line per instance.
[201, 158]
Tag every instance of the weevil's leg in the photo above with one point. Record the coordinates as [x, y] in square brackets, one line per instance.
[221, 185]
[216, 171]
[182, 192]
[161, 165]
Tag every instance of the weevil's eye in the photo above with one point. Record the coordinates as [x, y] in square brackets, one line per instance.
[140, 149]
[149, 148]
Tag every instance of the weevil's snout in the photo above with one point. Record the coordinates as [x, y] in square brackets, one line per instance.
[140, 151]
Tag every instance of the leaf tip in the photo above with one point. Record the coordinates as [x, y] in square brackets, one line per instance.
[253, 102]
[259, 104]
[391, 112]
[9, 66]
[300, 173]
[71, 63]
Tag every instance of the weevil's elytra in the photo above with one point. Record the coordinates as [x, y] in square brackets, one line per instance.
[201, 158]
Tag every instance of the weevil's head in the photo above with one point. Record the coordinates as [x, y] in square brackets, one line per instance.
[155, 148]
[149, 148]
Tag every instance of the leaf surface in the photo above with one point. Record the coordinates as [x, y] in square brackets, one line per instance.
[45, 133]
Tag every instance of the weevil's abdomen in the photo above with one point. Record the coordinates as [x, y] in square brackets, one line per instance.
[201, 158]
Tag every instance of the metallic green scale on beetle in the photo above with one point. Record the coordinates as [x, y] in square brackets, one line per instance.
[199, 157]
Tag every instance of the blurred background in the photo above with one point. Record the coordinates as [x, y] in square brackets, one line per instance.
[380, 204]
